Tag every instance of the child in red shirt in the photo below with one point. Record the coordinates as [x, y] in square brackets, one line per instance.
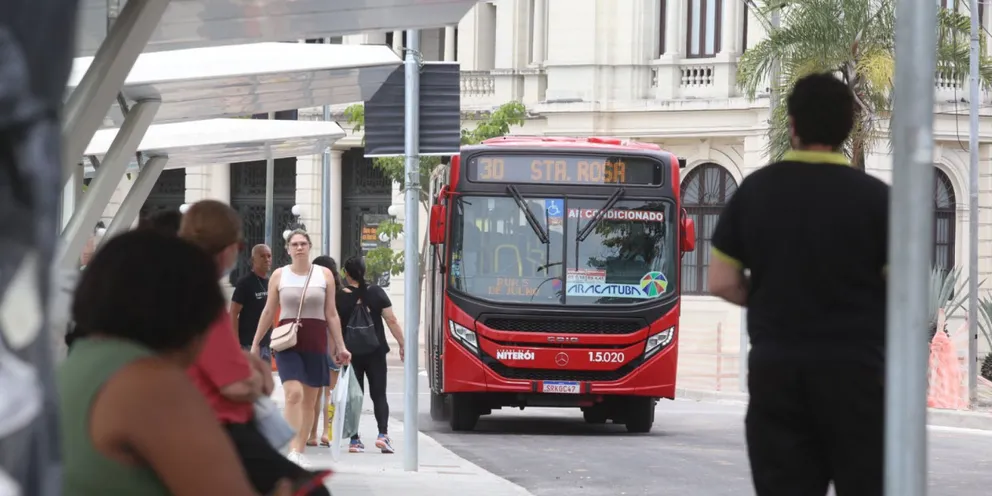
[226, 375]
[223, 367]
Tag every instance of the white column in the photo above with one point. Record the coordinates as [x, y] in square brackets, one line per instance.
[334, 209]
[730, 30]
[540, 32]
[674, 27]
[449, 44]
[398, 42]
[220, 182]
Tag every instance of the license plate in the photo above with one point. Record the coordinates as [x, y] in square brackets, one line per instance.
[562, 387]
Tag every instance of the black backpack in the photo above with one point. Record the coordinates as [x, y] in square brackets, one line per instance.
[359, 334]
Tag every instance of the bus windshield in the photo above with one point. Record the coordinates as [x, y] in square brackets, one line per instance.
[627, 257]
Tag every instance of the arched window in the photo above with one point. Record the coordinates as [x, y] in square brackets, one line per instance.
[944, 220]
[705, 191]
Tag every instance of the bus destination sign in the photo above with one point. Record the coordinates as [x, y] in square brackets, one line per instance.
[565, 169]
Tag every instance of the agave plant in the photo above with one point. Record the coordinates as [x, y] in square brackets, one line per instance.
[985, 321]
[948, 294]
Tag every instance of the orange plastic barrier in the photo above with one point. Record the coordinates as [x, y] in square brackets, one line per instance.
[945, 377]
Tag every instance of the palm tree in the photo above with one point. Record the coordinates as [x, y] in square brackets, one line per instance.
[854, 39]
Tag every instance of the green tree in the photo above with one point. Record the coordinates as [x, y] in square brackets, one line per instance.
[384, 260]
[856, 40]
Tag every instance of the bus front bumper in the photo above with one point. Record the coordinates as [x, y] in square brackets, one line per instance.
[465, 372]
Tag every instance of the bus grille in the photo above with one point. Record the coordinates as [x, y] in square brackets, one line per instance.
[560, 375]
[625, 326]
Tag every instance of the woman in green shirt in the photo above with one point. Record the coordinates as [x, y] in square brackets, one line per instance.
[132, 423]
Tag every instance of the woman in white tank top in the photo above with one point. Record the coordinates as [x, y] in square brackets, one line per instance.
[303, 368]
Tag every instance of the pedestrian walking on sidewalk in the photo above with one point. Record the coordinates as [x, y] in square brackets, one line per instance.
[324, 397]
[131, 421]
[230, 378]
[248, 301]
[355, 296]
[813, 232]
[301, 293]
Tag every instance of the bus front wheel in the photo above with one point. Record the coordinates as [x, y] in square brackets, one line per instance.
[640, 415]
[439, 410]
[464, 412]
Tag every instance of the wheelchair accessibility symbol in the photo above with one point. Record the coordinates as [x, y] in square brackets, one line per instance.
[555, 210]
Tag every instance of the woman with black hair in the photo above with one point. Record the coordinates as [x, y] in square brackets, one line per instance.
[356, 292]
[127, 372]
[324, 397]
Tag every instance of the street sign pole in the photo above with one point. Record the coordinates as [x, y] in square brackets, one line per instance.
[910, 249]
[270, 178]
[974, 102]
[325, 195]
[411, 255]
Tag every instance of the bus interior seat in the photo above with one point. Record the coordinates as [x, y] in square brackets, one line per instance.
[505, 257]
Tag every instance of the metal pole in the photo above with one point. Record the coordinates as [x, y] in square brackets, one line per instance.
[910, 250]
[774, 77]
[411, 229]
[325, 194]
[973, 210]
[270, 188]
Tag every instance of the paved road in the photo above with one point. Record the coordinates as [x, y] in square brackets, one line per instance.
[695, 448]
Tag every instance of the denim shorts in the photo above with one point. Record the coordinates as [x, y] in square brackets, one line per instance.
[333, 366]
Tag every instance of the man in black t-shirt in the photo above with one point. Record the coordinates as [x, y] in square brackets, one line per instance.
[813, 234]
[248, 301]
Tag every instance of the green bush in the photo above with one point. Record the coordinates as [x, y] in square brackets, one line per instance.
[987, 367]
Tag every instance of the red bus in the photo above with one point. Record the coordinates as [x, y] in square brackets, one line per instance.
[554, 279]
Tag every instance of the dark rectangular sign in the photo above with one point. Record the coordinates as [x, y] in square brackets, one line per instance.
[565, 169]
[440, 113]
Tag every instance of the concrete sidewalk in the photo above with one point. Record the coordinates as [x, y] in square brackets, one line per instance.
[966, 419]
[442, 473]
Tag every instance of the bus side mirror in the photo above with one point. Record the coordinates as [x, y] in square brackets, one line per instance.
[688, 235]
[438, 222]
[442, 195]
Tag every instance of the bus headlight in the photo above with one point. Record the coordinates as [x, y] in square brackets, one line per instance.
[659, 341]
[464, 336]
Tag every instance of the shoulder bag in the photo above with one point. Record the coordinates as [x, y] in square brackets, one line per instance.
[284, 336]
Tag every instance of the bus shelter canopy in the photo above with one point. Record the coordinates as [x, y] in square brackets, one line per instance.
[241, 80]
[223, 141]
[199, 23]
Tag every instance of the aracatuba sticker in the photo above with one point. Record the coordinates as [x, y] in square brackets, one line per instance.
[652, 285]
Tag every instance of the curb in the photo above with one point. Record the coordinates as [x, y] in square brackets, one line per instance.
[963, 419]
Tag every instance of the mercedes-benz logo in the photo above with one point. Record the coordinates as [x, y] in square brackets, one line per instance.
[561, 359]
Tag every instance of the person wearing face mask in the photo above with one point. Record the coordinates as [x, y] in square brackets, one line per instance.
[230, 378]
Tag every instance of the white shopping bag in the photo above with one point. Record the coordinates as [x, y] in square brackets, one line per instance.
[339, 398]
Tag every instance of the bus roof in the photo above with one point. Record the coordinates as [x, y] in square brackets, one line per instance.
[596, 142]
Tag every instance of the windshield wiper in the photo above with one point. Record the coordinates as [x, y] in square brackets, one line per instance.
[584, 233]
[531, 219]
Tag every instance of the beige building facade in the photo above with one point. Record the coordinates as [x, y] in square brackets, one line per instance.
[661, 71]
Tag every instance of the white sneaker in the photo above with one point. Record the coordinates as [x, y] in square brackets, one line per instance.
[298, 458]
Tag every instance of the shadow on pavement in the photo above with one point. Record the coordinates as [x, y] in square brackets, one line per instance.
[502, 424]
